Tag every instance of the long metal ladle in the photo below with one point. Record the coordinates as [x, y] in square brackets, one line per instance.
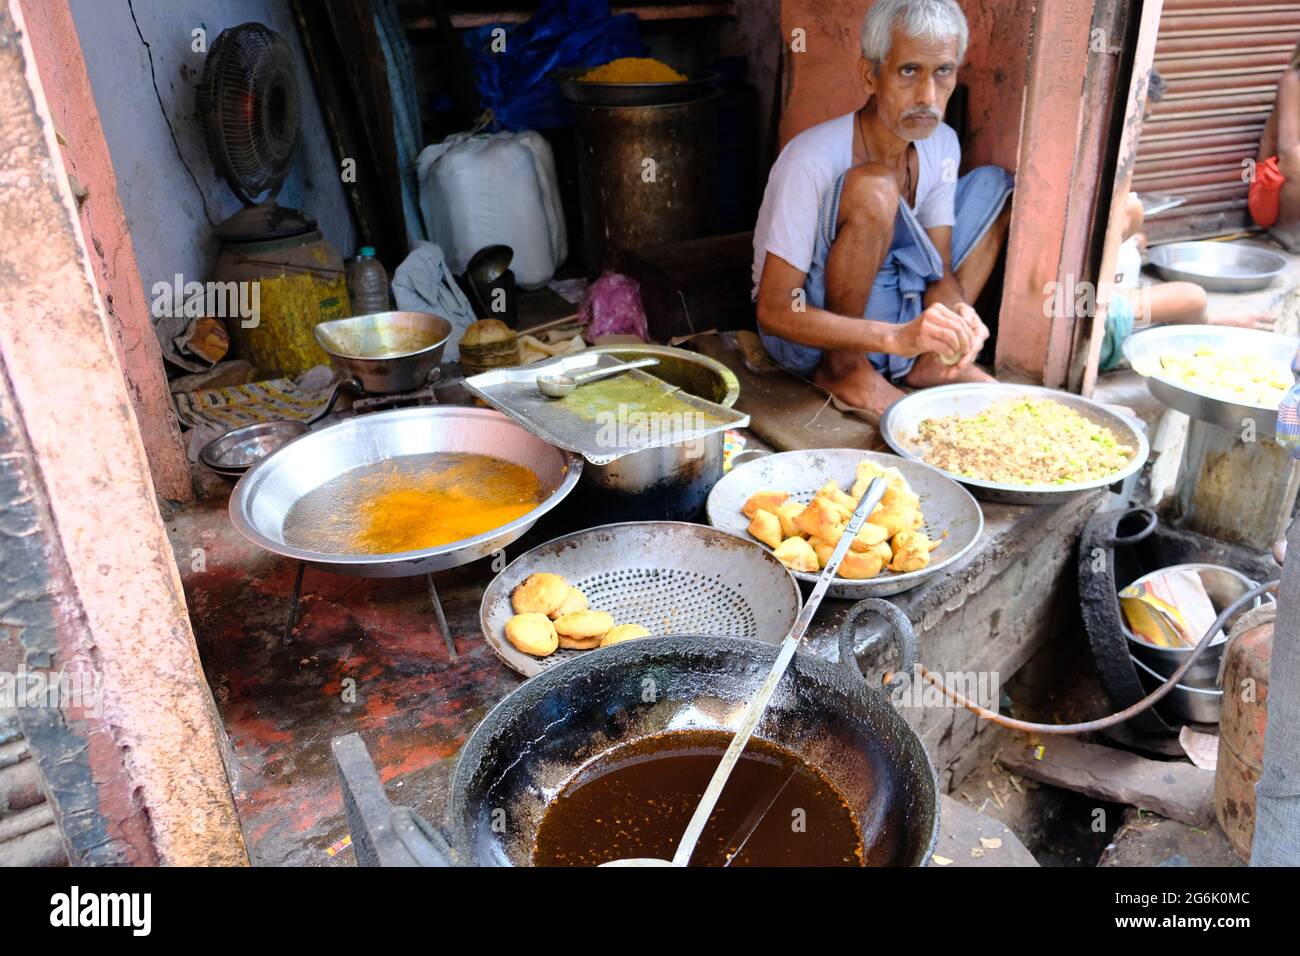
[558, 386]
[749, 720]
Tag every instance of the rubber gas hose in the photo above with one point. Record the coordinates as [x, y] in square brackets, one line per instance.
[1117, 718]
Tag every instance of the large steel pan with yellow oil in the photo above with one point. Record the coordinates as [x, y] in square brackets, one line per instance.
[264, 497]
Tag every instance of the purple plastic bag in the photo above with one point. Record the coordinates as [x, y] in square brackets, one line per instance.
[612, 306]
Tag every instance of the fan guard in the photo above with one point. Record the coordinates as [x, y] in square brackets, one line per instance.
[249, 101]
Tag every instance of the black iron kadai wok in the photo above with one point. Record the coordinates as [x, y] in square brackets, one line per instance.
[536, 740]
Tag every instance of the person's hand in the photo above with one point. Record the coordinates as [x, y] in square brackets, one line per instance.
[979, 334]
[938, 329]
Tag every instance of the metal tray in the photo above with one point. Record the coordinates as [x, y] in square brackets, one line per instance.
[263, 497]
[901, 420]
[946, 505]
[671, 577]
[663, 414]
[1144, 350]
[1217, 266]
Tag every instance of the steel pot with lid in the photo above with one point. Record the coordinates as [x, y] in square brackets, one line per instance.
[670, 482]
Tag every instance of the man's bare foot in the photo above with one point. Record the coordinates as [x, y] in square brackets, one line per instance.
[930, 370]
[1252, 320]
[851, 378]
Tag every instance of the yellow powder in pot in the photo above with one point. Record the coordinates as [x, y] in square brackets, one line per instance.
[633, 69]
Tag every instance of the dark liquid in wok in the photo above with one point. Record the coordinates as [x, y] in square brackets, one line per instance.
[636, 800]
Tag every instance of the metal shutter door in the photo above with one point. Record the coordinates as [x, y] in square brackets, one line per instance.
[1220, 62]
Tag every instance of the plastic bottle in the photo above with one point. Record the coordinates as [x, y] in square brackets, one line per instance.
[367, 283]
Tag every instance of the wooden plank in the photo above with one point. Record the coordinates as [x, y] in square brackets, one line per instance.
[1173, 789]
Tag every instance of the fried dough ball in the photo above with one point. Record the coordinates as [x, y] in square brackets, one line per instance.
[540, 593]
[767, 500]
[533, 633]
[583, 625]
[579, 643]
[823, 550]
[787, 512]
[911, 551]
[766, 527]
[860, 565]
[575, 600]
[797, 555]
[821, 519]
[623, 632]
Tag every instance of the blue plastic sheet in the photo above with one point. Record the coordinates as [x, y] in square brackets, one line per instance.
[564, 33]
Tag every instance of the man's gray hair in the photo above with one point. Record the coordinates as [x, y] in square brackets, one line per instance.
[935, 20]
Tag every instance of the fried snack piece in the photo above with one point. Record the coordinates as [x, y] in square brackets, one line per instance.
[532, 633]
[623, 632]
[832, 493]
[575, 600]
[766, 527]
[896, 519]
[823, 550]
[868, 536]
[539, 593]
[578, 643]
[821, 519]
[860, 565]
[583, 625]
[911, 551]
[767, 500]
[797, 555]
[787, 511]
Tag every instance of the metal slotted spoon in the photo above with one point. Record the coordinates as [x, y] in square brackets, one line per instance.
[754, 712]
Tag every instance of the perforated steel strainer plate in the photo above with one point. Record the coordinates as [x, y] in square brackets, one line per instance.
[671, 577]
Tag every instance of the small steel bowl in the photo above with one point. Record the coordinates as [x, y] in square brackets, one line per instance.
[236, 451]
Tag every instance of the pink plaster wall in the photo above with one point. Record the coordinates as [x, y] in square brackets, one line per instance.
[123, 600]
[85, 156]
[822, 82]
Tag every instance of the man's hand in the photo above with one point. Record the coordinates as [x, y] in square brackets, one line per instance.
[938, 329]
[979, 334]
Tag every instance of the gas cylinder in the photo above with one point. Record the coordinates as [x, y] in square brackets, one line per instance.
[1241, 726]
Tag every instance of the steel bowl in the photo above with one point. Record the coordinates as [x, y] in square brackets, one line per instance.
[1218, 266]
[948, 508]
[1223, 585]
[386, 351]
[264, 496]
[671, 577]
[239, 449]
[1195, 705]
[1144, 350]
[901, 421]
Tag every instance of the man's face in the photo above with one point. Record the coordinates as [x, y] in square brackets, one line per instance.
[913, 85]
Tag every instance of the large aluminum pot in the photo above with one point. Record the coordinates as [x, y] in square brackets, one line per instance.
[671, 482]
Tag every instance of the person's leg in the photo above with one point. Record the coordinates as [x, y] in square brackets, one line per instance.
[976, 268]
[864, 233]
[1184, 303]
